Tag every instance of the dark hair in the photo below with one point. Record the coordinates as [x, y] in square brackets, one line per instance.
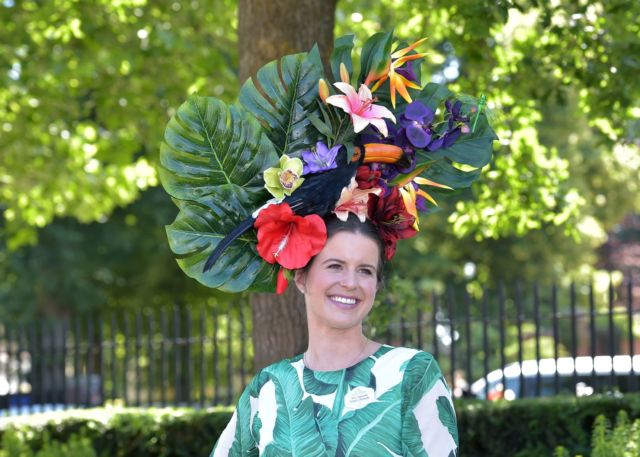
[354, 225]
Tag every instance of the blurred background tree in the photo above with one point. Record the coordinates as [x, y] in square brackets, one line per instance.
[87, 88]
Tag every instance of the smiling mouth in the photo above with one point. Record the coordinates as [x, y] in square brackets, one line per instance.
[343, 300]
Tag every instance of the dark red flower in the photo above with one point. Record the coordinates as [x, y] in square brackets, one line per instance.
[366, 177]
[289, 239]
[394, 223]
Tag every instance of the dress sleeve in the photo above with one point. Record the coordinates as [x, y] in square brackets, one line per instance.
[237, 440]
[429, 427]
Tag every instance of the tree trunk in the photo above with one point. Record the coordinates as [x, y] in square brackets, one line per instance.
[279, 326]
[268, 30]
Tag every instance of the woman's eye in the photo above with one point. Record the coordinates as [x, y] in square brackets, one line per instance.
[334, 266]
[367, 271]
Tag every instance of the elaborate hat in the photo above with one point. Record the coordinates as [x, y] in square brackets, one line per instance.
[253, 180]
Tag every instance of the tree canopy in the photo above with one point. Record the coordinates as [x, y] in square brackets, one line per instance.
[88, 89]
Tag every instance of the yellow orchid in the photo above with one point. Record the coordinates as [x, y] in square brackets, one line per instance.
[397, 82]
[286, 178]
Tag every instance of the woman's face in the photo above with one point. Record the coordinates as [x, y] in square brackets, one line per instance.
[340, 285]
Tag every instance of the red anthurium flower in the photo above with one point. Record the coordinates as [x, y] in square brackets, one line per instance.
[289, 239]
[392, 220]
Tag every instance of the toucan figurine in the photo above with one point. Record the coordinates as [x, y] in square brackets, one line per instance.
[319, 192]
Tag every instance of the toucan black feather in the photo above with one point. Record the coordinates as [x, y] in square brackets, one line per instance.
[227, 240]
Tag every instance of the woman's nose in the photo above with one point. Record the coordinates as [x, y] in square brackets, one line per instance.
[348, 279]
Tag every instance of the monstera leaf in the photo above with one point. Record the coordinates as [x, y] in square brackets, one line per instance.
[212, 161]
[286, 95]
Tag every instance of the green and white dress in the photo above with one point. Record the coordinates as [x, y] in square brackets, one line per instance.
[393, 403]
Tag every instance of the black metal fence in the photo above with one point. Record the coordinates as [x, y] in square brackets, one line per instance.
[176, 357]
[529, 341]
[547, 339]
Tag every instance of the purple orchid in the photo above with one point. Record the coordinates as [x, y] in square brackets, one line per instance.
[454, 110]
[320, 159]
[456, 119]
[416, 122]
[446, 140]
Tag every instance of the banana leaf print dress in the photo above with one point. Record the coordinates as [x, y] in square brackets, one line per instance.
[393, 403]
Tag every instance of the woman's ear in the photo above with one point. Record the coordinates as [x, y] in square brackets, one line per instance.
[300, 278]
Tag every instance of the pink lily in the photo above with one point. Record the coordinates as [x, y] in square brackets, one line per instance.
[361, 108]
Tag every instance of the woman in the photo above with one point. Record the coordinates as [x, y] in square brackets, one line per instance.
[326, 181]
[345, 395]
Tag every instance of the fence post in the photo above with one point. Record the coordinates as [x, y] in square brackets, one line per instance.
[485, 339]
[203, 364]
[536, 313]
[630, 334]
[150, 350]
[519, 315]
[612, 351]
[554, 317]
[501, 315]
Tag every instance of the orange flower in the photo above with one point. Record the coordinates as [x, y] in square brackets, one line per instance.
[397, 82]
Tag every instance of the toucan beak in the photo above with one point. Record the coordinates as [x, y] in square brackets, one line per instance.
[379, 152]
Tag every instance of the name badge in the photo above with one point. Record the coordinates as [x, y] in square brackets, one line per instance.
[359, 397]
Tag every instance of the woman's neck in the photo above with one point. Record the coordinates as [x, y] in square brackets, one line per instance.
[331, 349]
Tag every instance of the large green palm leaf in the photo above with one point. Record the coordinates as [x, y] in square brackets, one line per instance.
[212, 161]
[283, 97]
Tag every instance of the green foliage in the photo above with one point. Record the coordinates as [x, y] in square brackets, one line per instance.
[211, 163]
[288, 93]
[144, 434]
[567, 167]
[375, 54]
[122, 263]
[342, 49]
[622, 441]
[85, 93]
[537, 427]
[522, 428]
[88, 88]
[14, 445]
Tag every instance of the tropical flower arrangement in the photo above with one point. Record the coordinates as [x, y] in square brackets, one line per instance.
[252, 181]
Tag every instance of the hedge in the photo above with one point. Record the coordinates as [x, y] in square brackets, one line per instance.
[522, 428]
[535, 427]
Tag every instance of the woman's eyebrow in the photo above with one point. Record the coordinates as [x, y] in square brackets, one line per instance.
[368, 265]
[333, 260]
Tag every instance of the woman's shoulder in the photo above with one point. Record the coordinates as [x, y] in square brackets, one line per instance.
[281, 369]
[404, 355]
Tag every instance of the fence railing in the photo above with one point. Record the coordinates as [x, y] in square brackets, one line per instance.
[544, 338]
[177, 357]
[523, 342]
